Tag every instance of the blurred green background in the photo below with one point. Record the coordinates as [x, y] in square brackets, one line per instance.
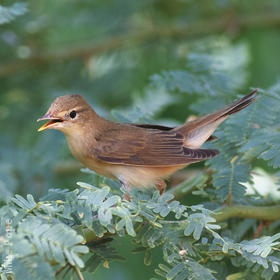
[108, 51]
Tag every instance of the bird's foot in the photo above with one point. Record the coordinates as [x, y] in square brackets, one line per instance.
[161, 186]
[127, 188]
[126, 197]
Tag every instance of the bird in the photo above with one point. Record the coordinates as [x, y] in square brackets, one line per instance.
[138, 155]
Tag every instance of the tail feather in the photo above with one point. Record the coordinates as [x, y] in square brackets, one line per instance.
[200, 154]
[196, 132]
[240, 104]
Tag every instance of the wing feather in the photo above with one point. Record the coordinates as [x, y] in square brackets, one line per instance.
[139, 146]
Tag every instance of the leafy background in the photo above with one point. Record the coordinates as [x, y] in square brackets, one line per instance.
[142, 61]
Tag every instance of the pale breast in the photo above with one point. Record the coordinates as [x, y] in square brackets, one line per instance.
[139, 176]
[136, 176]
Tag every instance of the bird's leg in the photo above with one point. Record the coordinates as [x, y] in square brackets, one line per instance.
[161, 186]
[126, 187]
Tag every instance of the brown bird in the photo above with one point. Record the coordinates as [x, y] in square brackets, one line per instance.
[135, 154]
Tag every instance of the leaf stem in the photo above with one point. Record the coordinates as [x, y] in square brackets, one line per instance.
[79, 273]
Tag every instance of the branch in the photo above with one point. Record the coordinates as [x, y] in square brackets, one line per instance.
[222, 214]
[249, 212]
[202, 28]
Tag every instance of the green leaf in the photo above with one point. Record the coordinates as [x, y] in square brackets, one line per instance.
[32, 268]
[230, 172]
[148, 257]
[56, 241]
[197, 222]
[202, 76]
[129, 227]
[8, 14]
[175, 270]
[25, 204]
[258, 146]
[262, 246]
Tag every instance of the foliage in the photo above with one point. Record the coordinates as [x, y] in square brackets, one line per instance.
[8, 14]
[60, 232]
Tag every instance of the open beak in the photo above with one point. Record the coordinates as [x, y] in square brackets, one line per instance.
[51, 123]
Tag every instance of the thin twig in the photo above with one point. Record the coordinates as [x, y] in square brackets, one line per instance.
[61, 269]
[66, 272]
[79, 273]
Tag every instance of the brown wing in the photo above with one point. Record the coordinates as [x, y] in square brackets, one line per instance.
[149, 147]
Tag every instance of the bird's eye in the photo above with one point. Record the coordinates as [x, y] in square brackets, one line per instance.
[73, 114]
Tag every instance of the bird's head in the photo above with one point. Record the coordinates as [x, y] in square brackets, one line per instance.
[66, 113]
